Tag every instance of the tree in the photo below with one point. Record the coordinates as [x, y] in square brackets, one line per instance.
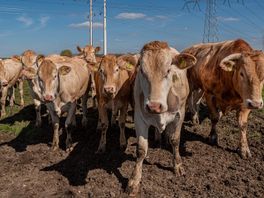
[66, 52]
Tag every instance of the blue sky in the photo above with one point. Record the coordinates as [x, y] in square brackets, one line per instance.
[49, 26]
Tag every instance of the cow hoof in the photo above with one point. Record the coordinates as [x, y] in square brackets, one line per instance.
[213, 140]
[132, 190]
[54, 148]
[100, 150]
[179, 170]
[69, 149]
[195, 120]
[245, 153]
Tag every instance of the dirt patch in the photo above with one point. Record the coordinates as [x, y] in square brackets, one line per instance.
[30, 169]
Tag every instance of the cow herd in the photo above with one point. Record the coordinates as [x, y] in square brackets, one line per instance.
[159, 83]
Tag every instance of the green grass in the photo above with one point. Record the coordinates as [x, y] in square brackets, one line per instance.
[8, 123]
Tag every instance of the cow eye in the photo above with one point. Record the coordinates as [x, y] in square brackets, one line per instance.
[117, 69]
[168, 72]
[241, 74]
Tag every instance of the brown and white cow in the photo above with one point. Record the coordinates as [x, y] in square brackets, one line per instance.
[113, 82]
[10, 73]
[160, 93]
[62, 81]
[231, 74]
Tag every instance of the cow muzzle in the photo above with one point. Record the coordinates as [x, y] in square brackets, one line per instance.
[257, 104]
[154, 107]
[48, 98]
[4, 83]
[109, 90]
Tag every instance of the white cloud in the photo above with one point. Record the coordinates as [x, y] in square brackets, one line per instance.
[231, 19]
[130, 15]
[44, 20]
[86, 24]
[27, 21]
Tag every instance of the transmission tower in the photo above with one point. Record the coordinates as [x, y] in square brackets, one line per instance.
[210, 23]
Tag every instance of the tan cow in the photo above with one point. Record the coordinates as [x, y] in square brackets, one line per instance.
[231, 74]
[160, 93]
[28, 59]
[113, 82]
[88, 53]
[10, 73]
[62, 81]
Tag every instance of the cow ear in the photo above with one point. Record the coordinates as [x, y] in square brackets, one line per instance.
[184, 60]
[97, 49]
[16, 58]
[40, 58]
[229, 62]
[63, 70]
[29, 72]
[79, 49]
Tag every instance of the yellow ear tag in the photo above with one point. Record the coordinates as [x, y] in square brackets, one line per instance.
[182, 63]
[174, 78]
[129, 66]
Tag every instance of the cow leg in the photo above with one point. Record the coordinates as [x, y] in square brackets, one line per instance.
[11, 95]
[37, 105]
[142, 149]
[122, 123]
[56, 125]
[242, 120]
[157, 138]
[21, 93]
[104, 125]
[175, 135]
[68, 122]
[214, 116]
[114, 116]
[84, 109]
[3, 101]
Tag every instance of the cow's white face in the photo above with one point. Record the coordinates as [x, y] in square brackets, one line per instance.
[248, 77]
[48, 79]
[157, 75]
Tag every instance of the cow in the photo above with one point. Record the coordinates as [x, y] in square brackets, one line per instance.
[62, 81]
[231, 74]
[10, 73]
[28, 60]
[88, 53]
[113, 82]
[160, 93]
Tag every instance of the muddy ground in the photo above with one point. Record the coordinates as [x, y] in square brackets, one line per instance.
[28, 168]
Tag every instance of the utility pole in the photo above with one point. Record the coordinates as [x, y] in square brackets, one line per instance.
[105, 36]
[210, 22]
[91, 22]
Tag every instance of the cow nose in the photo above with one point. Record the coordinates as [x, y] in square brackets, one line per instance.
[255, 104]
[109, 89]
[154, 107]
[48, 97]
[4, 83]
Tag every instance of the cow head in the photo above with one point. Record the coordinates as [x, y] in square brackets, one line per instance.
[88, 53]
[3, 81]
[158, 72]
[29, 63]
[248, 76]
[49, 77]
